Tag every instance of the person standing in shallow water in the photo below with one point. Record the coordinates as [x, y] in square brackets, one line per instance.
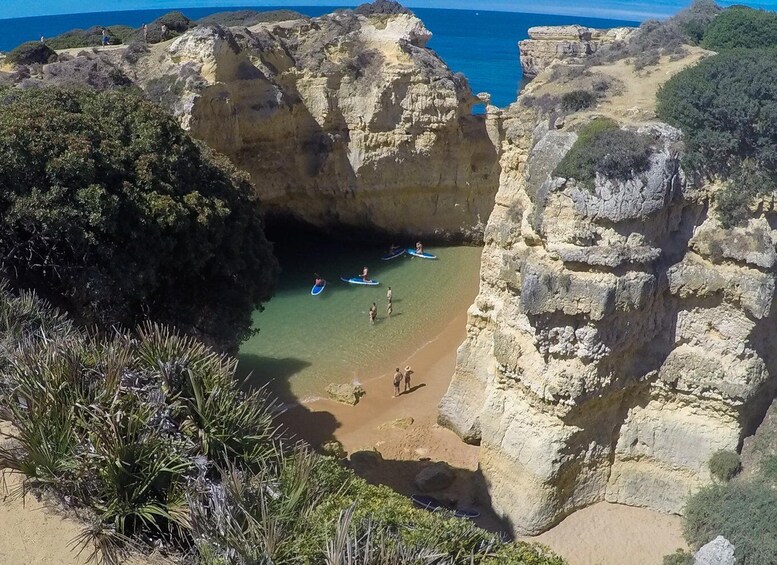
[390, 305]
[397, 382]
[373, 313]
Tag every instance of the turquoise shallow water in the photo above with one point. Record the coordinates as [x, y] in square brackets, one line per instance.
[307, 342]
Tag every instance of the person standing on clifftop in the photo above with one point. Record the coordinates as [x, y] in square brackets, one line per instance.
[105, 37]
[145, 33]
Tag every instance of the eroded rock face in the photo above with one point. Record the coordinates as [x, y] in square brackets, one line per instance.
[550, 44]
[620, 337]
[342, 121]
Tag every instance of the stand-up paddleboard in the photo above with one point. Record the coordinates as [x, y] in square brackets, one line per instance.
[390, 256]
[414, 253]
[358, 280]
[318, 289]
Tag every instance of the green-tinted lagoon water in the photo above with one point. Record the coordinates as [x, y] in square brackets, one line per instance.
[306, 342]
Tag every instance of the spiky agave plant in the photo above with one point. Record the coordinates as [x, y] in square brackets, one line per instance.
[257, 517]
[229, 425]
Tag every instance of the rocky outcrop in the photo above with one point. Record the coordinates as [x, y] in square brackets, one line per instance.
[346, 393]
[717, 552]
[573, 43]
[435, 477]
[620, 337]
[346, 121]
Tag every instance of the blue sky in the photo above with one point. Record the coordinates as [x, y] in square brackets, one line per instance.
[618, 9]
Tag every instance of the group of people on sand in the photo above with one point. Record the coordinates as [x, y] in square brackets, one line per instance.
[400, 376]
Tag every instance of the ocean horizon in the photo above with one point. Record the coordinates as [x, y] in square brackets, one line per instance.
[481, 44]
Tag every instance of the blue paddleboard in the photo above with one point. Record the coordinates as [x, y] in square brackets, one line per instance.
[414, 253]
[358, 280]
[390, 256]
[318, 289]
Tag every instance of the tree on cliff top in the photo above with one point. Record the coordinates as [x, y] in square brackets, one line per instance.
[109, 209]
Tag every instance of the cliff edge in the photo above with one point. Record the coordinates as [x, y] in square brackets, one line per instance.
[621, 336]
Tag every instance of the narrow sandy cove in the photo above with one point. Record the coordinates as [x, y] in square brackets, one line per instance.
[605, 534]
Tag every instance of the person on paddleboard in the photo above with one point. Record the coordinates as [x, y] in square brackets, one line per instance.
[319, 280]
[393, 249]
[365, 274]
[419, 248]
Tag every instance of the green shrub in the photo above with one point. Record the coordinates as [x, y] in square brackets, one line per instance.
[249, 17]
[679, 557]
[91, 37]
[30, 53]
[724, 465]
[696, 19]
[741, 27]
[112, 211]
[727, 107]
[578, 100]
[745, 513]
[602, 147]
[768, 468]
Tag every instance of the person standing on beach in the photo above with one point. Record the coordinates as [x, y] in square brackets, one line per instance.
[373, 312]
[397, 381]
[408, 372]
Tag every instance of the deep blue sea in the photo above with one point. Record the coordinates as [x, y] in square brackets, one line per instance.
[482, 45]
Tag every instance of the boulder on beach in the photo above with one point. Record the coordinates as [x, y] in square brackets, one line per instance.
[333, 448]
[347, 393]
[437, 476]
[367, 458]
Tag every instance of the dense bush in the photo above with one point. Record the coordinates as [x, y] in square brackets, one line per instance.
[30, 53]
[679, 557]
[602, 147]
[745, 513]
[724, 465]
[152, 435]
[249, 17]
[741, 27]
[727, 108]
[91, 37]
[696, 19]
[578, 100]
[111, 210]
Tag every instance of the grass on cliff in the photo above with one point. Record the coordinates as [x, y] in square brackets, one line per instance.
[604, 148]
[149, 436]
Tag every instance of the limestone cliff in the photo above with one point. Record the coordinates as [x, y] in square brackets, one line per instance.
[343, 121]
[550, 44]
[620, 336]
